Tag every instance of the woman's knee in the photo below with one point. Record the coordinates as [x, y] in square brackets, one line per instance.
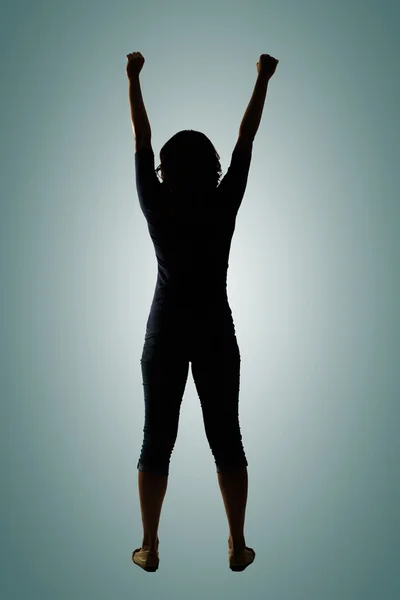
[227, 447]
[153, 467]
[156, 453]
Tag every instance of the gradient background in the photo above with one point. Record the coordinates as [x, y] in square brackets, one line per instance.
[313, 286]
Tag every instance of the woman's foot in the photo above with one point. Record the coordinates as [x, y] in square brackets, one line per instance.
[146, 559]
[239, 555]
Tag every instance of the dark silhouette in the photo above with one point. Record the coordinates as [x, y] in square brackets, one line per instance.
[187, 153]
[191, 215]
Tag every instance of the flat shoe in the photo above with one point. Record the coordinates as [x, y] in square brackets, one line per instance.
[240, 560]
[146, 559]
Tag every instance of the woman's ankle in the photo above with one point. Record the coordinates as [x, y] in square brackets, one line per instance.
[237, 543]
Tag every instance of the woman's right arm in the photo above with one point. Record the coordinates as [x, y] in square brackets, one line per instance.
[252, 117]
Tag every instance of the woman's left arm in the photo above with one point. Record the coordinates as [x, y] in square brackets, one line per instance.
[140, 122]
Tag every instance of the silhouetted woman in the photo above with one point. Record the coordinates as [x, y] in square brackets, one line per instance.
[191, 218]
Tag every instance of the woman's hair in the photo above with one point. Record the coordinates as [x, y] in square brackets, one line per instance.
[189, 159]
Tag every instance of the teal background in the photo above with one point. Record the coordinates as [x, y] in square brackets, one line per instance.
[313, 285]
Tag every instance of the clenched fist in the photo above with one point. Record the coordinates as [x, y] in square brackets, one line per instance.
[266, 65]
[134, 64]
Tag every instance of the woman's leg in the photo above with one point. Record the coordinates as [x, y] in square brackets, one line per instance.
[152, 488]
[234, 486]
[164, 373]
[216, 372]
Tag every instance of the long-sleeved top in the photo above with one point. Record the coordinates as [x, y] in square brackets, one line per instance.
[191, 233]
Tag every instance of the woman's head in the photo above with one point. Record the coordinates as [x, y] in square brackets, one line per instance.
[189, 161]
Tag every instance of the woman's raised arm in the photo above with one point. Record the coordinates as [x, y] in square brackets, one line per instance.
[252, 117]
[140, 122]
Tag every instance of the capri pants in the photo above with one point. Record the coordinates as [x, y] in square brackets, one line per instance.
[215, 362]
